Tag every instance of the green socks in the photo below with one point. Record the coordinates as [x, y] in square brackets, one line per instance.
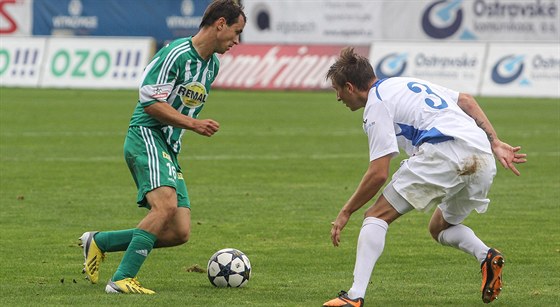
[113, 241]
[140, 246]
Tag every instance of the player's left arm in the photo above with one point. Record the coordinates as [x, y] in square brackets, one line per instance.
[373, 179]
[505, 153]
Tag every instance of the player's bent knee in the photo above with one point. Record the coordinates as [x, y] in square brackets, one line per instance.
[437, 224]
[167, 213]
[183, 237]
[435, 232]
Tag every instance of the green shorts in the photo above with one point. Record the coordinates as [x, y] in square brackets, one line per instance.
[153, 164]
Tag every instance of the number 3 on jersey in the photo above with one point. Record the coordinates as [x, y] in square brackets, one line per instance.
[433, 100]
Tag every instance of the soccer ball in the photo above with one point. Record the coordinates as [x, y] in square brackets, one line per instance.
[229, 267]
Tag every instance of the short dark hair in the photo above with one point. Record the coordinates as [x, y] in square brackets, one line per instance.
[351, 67]
[229, 9]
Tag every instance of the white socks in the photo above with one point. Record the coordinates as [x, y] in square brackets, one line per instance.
[371, 242]
[463, 238]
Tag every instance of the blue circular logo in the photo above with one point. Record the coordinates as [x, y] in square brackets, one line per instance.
[508, 69]
[442, 19]
[392, 65]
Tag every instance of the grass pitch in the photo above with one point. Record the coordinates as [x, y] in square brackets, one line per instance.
[268, 183]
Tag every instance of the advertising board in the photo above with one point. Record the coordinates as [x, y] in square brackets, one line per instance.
[312, 21]
[162, 20]
[278, 66]
[15, 17]
[366, 21]
[96, 62]
[20, 61]
[454, 65]
[523, 71]
[475, 20]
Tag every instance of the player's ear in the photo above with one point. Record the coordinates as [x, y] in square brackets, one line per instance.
[349, 87]
[220, 23]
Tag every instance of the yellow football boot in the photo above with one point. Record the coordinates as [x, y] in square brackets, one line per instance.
[127, 285]
[93, 256]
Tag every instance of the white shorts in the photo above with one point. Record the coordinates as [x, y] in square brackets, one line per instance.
[450, 174]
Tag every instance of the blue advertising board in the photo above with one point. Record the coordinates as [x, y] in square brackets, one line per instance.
[163, 20]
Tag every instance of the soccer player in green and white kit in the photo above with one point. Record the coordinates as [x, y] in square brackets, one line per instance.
[174, 88]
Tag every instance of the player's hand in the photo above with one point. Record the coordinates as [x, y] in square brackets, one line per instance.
[206, 127]
[508, 155]
[338, 225]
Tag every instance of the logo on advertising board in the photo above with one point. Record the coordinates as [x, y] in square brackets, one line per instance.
[508, 69]
[443, 18]
[391, 65]
[261, 14]
[9, 25]
[94, 62]
[20, 61]
[119, 64]
[263, 66]
[455, 65]
[74, 20]
[188, 22]
[527, 71]
[15, 17]
[490, 19]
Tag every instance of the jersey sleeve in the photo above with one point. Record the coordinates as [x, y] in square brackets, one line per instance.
[158, 80]
[379, 128]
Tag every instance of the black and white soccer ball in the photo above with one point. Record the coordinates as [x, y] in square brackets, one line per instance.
[229, 267]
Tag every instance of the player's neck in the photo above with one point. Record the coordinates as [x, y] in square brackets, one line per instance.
[203, 44]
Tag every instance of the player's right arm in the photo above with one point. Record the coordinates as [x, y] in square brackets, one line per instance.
[375, 176]
[167, 115]
[505, 153]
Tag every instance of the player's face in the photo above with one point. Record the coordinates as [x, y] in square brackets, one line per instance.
[346, 94]
[228, 36]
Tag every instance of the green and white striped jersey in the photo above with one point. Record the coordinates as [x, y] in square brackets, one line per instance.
[178, 76]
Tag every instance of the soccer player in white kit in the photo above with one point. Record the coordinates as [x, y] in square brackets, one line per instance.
[451, 146]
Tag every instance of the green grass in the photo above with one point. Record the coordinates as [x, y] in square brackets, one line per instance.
[269, 183]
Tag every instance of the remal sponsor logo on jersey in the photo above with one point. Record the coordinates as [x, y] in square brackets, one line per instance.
[508, 69]
[193, 94]
[443, 18]
[392, 65]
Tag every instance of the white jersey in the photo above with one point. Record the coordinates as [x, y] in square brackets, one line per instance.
[407, 112]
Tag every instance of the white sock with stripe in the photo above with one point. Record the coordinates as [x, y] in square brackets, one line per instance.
[371, 242]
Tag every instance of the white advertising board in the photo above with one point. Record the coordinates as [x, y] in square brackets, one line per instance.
[364, 21]
[311, 21]
[456, 65]
[20, 60]
[16, 17]
[472, 20]
[522, 70]
[96, 62]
